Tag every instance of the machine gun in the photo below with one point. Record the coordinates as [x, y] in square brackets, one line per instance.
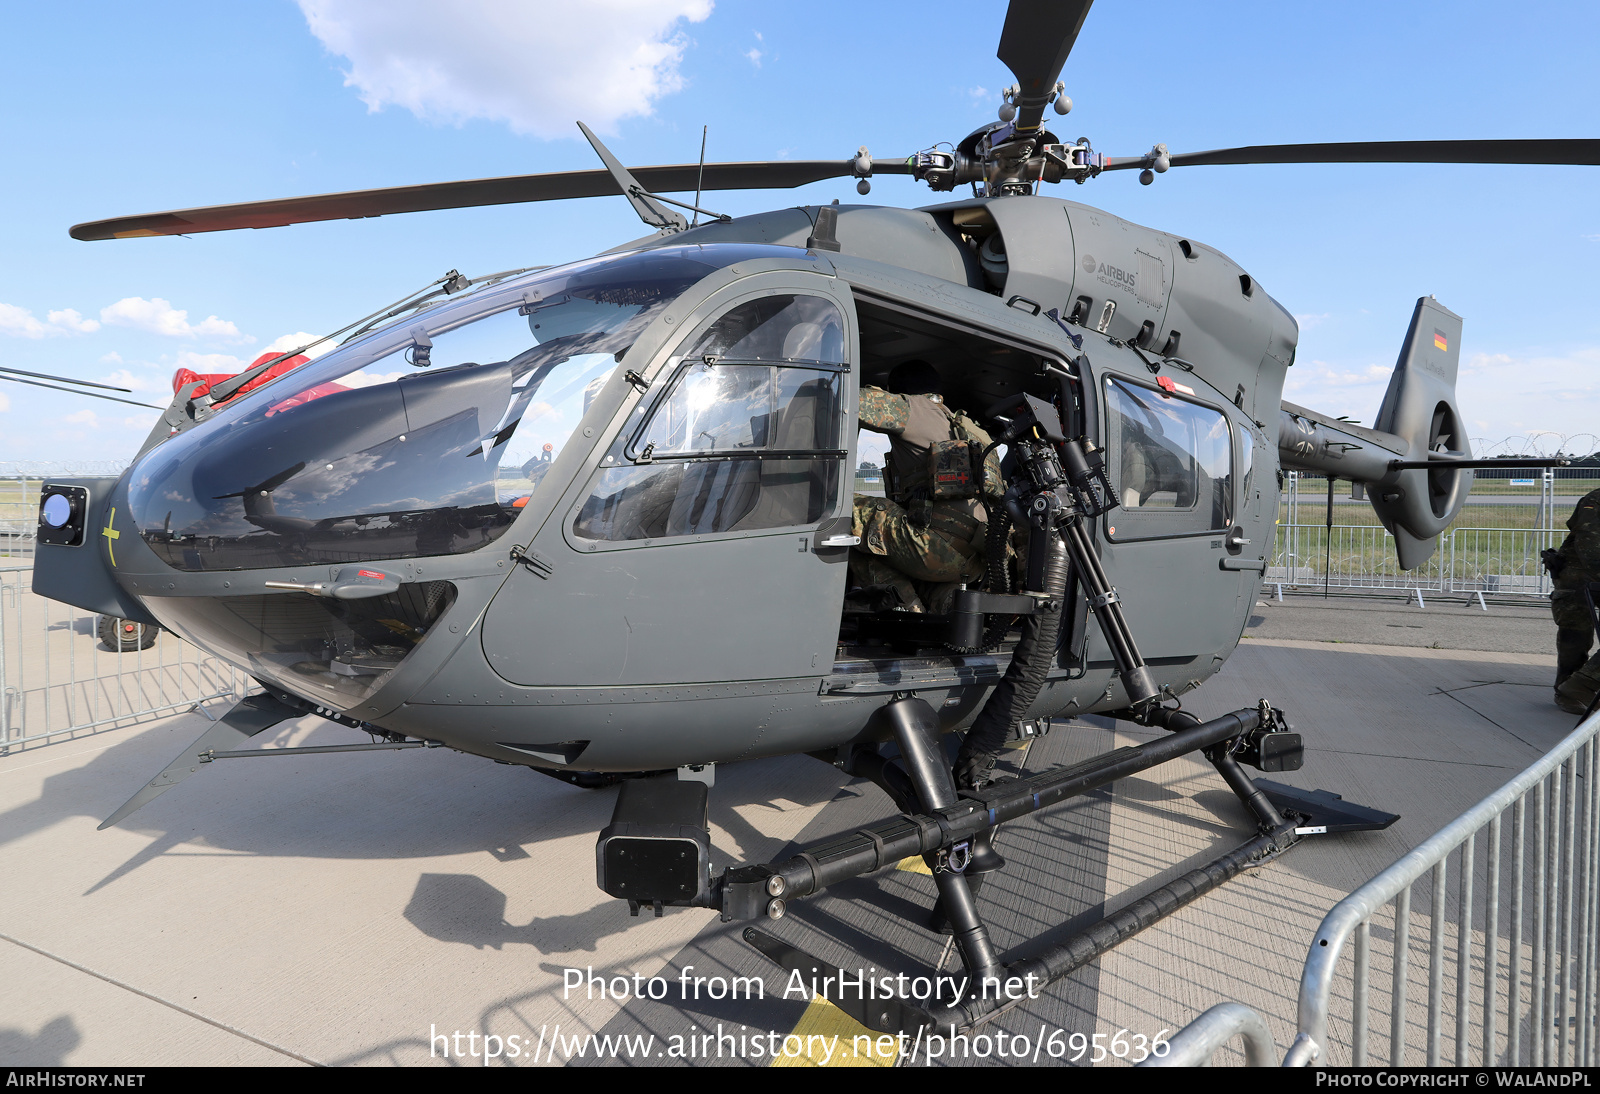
[1064, 484]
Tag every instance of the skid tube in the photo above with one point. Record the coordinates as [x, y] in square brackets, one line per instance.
[944, 834]
[748, 891]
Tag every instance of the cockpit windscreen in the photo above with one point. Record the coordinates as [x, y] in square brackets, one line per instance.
[429, 447]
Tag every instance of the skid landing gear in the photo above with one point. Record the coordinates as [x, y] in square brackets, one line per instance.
[950, 831]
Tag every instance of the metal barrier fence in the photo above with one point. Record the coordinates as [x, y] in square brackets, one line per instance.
[19, 502]
[1527, 1000]
[1469, 561]
[1197, 1042]
[58, 680]
[1493, 551]
[1521, 990]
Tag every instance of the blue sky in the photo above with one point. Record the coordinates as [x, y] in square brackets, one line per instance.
[118, 109]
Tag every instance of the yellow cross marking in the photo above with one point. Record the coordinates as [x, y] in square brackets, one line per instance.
[111, 534]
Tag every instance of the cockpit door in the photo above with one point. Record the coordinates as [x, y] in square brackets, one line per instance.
[688, 550]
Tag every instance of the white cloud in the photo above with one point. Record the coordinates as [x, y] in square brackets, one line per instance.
[754, 57]
[137, 382]
[112, 358]
[318, 344]
[21, 323]
[977, 94]
[68, 319]
[1504, 395]
[5, 402]
[1308, 321]
[208, 362]
[1312, 376]
[536, 67]
[158, 316]
[83, 417]
[364, 378]
[1593, 237]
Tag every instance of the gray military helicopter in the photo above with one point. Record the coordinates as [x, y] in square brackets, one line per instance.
[594, 519]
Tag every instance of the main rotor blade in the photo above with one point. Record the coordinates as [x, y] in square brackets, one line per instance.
[1561, 151]
[65, 379]
[76, 391]
[1034, 44]
[355, 204]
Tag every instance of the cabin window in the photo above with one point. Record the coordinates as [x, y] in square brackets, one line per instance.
[745, 436]
[1172, 462]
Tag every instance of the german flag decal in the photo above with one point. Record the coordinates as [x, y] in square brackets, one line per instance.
[1440, 342]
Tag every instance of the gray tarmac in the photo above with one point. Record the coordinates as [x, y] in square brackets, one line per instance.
[1507, 626]
[364, 908]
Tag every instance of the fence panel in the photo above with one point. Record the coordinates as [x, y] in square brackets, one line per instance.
[1479, 947]
[1348, 556]
[1491, 561]
[58, 680]
[1510, 516]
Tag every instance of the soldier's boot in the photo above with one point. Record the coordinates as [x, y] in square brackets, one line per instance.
[1577, 692]
[871, 571]
[939, 597]
[1568, 703]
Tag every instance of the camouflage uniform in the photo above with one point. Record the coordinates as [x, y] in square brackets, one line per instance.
[908, 537]
[1577, 674]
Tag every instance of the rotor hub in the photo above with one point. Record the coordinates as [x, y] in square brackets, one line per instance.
[999, 160]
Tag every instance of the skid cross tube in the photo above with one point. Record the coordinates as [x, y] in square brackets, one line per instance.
[949, 827]
[745, 889]
[1063, 959]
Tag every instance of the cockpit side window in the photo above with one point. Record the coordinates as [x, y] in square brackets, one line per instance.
[1172, 462]
[745, 437]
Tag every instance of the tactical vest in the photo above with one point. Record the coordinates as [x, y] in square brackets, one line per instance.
[938, 456]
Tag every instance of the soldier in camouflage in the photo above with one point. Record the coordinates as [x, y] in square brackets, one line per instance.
[1575, 564]
[922, 532]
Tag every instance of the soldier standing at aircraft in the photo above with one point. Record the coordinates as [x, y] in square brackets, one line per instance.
[1572, 566]
[921, 530]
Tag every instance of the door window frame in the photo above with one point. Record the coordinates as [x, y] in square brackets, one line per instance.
[661, 375]
[1125, 525]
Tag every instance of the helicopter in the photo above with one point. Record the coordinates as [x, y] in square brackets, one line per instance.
[594, 519]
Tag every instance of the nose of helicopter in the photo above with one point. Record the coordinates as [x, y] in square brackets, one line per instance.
[333, 473]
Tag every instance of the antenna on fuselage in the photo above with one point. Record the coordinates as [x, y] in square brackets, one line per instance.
[700, 179]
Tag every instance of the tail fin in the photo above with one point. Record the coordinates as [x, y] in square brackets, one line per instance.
[1418, 417]
[1420, 408]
